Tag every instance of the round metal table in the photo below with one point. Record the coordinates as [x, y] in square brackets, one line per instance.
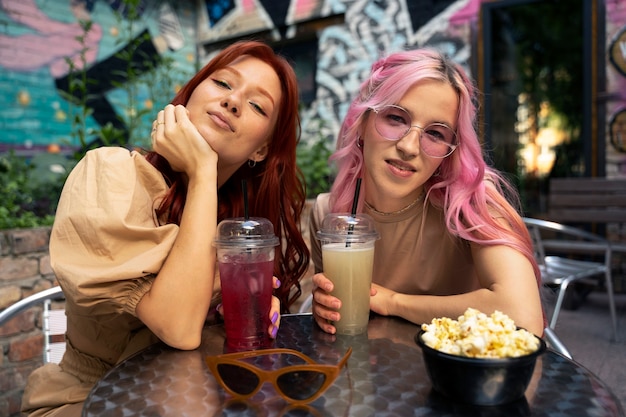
[385, 376]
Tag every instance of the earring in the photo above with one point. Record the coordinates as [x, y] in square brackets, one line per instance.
[359, 142]
[251, 163]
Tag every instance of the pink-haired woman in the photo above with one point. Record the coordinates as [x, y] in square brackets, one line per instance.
[451, 233]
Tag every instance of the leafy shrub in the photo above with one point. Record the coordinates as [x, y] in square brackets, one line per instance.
[25, 202]
[312, 158]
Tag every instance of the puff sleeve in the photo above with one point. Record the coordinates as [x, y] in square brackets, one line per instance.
[106, 244]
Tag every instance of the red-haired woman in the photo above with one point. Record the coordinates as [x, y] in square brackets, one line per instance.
[132, 241]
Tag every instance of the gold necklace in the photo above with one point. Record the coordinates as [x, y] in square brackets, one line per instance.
[402, 210]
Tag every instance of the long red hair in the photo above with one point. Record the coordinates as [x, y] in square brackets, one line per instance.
[276, 188]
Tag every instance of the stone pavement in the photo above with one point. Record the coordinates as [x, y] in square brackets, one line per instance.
[586, 332]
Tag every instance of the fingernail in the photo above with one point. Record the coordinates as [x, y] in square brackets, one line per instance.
[277, 283]
[274, 318]
[274, 332]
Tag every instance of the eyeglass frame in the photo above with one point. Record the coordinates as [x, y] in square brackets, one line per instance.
[331, 372]
[452, 147]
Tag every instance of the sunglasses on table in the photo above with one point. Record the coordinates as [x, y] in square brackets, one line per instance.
[298, 384]
[393, 122]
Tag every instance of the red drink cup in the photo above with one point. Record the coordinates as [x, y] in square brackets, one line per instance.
[245, 256]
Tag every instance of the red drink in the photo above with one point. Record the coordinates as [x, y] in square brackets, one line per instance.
[246, 297]
[245, 255]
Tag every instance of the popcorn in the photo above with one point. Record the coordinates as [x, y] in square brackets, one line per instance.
[477, 335]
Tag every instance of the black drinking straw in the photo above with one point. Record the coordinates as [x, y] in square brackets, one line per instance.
[355, 202]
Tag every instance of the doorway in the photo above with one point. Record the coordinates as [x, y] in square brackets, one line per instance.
[538, 78]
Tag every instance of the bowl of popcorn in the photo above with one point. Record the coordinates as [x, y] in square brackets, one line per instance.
[479, 359]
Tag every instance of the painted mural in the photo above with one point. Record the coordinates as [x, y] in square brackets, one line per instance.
[373, 29]
[43, 40]
[41, 36]
[344, 52]
[224, 19]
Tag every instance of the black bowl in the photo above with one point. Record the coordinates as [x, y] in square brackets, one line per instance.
[479, 381]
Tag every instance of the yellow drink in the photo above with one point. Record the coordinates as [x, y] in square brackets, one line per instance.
[350, 270]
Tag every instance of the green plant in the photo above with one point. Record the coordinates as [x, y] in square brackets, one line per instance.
[77, 96]
[312, 158]
[143, 75]
[29, 189]
[25, 203]
[140, 75]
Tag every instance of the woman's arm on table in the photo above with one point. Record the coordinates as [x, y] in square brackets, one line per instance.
[508, 285]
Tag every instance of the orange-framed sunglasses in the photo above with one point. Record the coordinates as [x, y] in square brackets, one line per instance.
[298, 384]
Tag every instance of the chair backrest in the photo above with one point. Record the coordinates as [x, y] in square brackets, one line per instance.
[54, 328]
[534, 228]
[54, 321]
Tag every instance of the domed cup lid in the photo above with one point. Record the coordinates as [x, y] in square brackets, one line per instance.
[347, 227]
[252, 232]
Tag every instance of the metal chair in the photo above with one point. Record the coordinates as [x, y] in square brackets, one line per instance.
[54, 321]
[561, 271]
[306, 305]
[554, 342]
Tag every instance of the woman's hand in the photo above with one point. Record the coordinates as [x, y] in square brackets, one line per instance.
[324, 305]
[274, 312]
[176, 139]
[380, 299]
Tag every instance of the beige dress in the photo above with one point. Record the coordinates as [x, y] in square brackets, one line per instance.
[106, 247]
[411, 258]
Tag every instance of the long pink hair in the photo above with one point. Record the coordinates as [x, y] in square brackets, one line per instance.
[471, 194]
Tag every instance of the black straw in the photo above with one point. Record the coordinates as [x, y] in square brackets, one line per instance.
[355, 202]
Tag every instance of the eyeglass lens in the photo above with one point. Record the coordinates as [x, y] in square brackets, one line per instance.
[300, 385]
[297, 385]
[393, 122]
[239, 379]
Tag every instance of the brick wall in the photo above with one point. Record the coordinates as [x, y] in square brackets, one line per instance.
[24, 270]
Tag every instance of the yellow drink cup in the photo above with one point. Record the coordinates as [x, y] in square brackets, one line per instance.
[348, 258]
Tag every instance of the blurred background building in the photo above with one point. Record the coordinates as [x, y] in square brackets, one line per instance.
[552, 72]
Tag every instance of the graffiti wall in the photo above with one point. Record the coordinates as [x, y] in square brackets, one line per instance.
[41, 42]
[343, 52]
[373, 29]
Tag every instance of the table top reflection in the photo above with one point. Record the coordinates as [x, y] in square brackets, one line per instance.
[385, 376]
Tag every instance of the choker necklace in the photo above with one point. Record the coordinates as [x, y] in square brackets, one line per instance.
[391, 213]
